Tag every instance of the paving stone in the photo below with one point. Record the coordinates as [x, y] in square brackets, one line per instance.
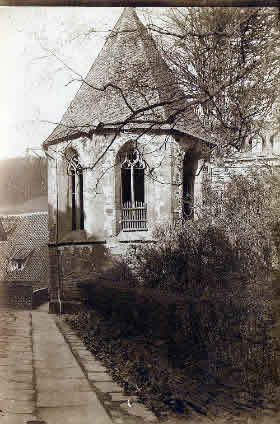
[23, 362]
[93, 366]
[85, 356]
[17, 407]
[15, 368]
[73, 372]
[14, 385]
[23, 348]
[98, 376]
[115, 413]
[140, 411]
[17, 394]
[76, 345]
[108, 387]
[117, 397]
[51, 356]
[85, 414]
[63, 398]
[17, 418]
[49, 384]
[22, 378]
[54, 365]
[19, 356]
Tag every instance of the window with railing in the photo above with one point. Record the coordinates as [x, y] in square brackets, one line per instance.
[133, 206]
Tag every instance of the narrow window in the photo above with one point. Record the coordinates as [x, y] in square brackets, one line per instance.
[126, 185]
[75, 172]
[139, 184]
[81, 185]
[73, 178]
[189, 170]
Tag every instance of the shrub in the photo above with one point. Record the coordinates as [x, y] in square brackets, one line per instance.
[223, 262]
[206, 286]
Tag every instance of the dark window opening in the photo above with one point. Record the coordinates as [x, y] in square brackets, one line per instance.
[139, 185]
[73, 178]
[189, 170]
[75, 172]
[81, 181]
[126, 185]
[20, 263]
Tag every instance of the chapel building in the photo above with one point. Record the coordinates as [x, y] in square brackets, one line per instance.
[118, 167]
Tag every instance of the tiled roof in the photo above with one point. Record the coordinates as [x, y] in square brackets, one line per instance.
[131, 61]
[21, 252]
[29, 238]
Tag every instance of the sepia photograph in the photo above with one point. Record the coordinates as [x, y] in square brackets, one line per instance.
[140, 212]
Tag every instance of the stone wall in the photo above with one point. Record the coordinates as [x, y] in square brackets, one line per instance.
[20, 294]
[69, 266]
[39, 297]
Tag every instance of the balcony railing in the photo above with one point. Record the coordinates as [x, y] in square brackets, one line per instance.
[134, 216]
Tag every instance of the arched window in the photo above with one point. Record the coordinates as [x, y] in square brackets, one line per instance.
[133, 206]
[75, 171]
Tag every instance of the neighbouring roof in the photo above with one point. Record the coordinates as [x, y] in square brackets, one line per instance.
[21, 252]
[131, 61]
[27, 240]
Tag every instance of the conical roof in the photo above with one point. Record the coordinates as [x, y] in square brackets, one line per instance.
[128, 75]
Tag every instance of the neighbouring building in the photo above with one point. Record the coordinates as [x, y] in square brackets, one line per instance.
[262, 151]
[23, 255]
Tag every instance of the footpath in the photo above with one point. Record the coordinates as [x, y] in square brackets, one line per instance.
[47, 376]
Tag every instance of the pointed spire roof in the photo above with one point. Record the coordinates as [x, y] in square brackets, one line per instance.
[129, 74]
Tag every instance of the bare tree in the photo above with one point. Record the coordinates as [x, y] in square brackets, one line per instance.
[228, 56]
[222, 82]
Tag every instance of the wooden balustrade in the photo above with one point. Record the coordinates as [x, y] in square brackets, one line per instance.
[134, 216]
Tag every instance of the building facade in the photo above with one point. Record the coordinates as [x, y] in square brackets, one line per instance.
[113, 178]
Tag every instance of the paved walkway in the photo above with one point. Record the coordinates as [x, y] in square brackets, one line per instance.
[47, 376]
[39, 377]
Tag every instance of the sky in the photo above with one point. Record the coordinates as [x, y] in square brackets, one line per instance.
[34, 85]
